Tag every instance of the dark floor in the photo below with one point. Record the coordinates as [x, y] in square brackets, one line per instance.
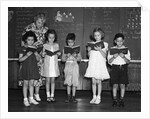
[15, 102]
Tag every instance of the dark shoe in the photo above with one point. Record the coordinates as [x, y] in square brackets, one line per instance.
[74, 99]
[114, 103]
[52, 99]
[68, 99]
[121, 103]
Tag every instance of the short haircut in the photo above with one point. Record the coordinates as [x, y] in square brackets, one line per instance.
[50, 31]
[101, 32]
[119, 35]
[29, 34]
[40, 16]
[70, 36]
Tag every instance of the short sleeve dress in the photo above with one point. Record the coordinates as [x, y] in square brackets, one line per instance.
[50, 66]
[97, 65]
[29, 68]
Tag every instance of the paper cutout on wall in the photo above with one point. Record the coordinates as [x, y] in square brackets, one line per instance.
[64, 17]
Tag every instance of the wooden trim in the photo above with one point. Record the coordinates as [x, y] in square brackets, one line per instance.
[83, 60]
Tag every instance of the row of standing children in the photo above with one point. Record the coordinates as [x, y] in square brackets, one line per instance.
[96, 70]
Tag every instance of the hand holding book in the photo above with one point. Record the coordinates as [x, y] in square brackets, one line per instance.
[96, 45]
[50, 53]
[116, 50]
[71, 50]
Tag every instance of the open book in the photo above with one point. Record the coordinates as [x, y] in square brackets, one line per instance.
[31, 49]
[96, 44]
[50, 53]
[71, 50]
[116, 50]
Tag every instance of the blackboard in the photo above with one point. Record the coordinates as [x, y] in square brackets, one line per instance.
[82, 22]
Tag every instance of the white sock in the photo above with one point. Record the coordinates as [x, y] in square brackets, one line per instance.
[98, 96]
[94, 96]
[36, 94]
[48, 94]
[52, 95]
[25, 98]
[31, 98]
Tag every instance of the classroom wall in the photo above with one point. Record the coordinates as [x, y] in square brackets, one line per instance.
[111, 19]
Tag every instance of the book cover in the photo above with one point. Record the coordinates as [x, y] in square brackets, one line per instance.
[116, 50]
[29, 49]
[50, 53]
[71, 50]
[96, 44]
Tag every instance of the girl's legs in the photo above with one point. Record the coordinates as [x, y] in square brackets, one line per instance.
[93, 90]
[68, 90]
[68, 94]
[31, 90]
[37, 97]
[99, 85]
[115, 87]
[47, 88]
[25, 91]
[52, 88]
[25, 88]
[74, 93]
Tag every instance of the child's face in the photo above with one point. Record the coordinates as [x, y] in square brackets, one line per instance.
[30, 41]
[71, 42]
[119, 41]
[51, 38]
[39, 23]
[97, 36]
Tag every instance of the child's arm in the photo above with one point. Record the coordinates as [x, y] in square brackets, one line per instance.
[110, 60]
[58, 53]
[89, 50]
[23, 58]
[77, 56]
[43, 52]
[126, 57]
[64, 57]
[37, 56]
[102, 51]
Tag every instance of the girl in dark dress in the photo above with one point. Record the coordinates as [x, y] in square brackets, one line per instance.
[29, 72]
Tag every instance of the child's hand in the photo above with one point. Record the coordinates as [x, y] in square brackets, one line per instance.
[89, 49]
[43, 54]
[122, 55]
[29, 53]
[68, 55]
[98, 48]
[58, 53]
[74, 54]
[115, 55]
[36, 54]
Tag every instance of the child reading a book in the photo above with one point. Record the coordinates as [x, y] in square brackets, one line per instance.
[71, 67]
[29, 68]
[97, 69]
[119, 71]
[50, 66]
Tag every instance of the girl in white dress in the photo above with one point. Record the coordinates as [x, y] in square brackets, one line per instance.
[50, 66]
[97, 69]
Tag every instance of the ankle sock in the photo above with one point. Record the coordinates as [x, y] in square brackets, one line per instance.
[48, 94]
[52, 95]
